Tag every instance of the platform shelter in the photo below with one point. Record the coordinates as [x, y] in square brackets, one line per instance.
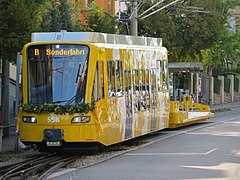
[186, 80]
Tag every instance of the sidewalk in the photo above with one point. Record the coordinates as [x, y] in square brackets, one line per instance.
[224, 107]
[8, 143]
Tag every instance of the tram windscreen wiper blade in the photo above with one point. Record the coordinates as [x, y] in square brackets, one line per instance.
[72, 99]
[60, 101]
[78, 73]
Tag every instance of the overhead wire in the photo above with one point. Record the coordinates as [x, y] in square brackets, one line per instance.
[172, 3]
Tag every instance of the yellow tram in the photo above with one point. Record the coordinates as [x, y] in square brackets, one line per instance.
[82, 89]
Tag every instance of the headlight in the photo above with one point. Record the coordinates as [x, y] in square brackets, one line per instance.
[81, 119]
[29, 119]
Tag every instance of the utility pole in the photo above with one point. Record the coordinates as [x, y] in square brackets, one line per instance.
[136, 4]
[134, 21]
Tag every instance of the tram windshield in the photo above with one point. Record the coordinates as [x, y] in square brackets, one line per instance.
[57, 74]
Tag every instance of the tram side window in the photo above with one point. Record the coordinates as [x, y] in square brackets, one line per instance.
[127, 76]
[119, 78]
[147, 98]
[142, 85]
[111, 79]
[128, 94]
[98, 87]
[165, 75]
[153, 80]
[136, 90]
[158, 75]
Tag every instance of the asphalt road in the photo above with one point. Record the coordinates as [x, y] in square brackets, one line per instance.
[209, 151]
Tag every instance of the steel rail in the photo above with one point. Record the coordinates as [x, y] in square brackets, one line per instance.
[57, 166]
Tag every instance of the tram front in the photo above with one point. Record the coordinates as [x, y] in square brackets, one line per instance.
[54, 90]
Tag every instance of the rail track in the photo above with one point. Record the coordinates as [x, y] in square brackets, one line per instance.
[42, 165]
[38, 167]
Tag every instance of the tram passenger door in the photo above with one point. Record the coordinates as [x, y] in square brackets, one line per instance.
[153, 99]
[128, 100]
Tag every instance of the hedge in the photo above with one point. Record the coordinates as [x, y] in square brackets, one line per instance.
[217, 85]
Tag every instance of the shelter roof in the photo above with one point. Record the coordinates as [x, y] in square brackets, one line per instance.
[186, 66]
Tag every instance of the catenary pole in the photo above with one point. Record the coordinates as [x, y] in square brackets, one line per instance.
[134, 21]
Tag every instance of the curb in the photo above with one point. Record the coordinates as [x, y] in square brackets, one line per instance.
[220, 110]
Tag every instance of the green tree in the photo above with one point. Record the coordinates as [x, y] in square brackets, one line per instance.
[18, 19]
[60, 15]
[186, 32]
[227, 49]
[99, 21]
[224, 52]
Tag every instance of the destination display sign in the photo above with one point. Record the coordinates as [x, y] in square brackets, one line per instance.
[56, 50]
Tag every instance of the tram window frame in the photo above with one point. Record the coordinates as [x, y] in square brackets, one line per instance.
[111, 76]
[98, 85]
[119, 78]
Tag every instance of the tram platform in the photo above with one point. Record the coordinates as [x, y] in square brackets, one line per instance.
[187, 112]
[190, 118]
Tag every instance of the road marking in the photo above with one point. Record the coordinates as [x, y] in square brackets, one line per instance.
[170, 154]
[210, 151]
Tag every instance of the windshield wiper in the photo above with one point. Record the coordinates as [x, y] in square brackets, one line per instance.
[78, 75]
[55, 102]
[72, 99]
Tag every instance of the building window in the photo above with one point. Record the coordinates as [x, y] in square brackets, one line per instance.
[88, 2]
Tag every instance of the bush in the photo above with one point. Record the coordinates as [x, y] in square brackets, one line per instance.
[236, 84]
[217, 85]
[227, 83]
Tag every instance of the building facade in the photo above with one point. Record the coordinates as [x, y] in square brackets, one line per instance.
[235, 19]
[107, 5]
[12, 99]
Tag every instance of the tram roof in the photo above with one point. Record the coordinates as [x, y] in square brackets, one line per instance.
[95, 37]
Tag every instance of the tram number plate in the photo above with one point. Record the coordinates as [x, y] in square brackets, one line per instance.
[53, 143]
